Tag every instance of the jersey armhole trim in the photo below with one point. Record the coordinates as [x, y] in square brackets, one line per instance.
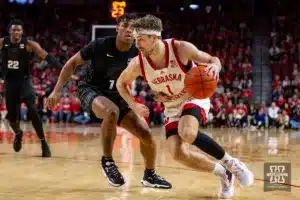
[181, 65]
[142, 66]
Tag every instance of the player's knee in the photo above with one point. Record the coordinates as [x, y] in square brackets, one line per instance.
[112, 114]
[188, 133]
[178, 153]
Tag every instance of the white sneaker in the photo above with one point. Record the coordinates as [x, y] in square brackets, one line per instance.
[227, 186]
[241, 172]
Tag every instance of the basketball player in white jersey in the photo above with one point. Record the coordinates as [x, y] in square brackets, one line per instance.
[163, 65]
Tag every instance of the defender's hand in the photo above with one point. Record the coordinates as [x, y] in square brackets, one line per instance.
[140, 109]
[53, 99]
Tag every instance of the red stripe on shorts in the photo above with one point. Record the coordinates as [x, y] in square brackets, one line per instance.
[202, 111]
[171, 126]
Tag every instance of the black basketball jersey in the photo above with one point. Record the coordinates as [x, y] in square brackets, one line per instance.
[15, 58]
[107, 63]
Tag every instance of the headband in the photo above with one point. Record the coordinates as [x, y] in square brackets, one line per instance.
[146, 32]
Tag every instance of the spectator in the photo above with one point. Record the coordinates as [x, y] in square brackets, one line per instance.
[82, 118]
[273, 114]
[283, 120]
[23, 112]
[295, 120]
[260, 119]
[221, 118]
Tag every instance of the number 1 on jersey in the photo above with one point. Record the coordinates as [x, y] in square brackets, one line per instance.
[111, 86]
[169, 90]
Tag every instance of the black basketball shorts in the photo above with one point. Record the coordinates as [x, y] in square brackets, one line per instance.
[87, 93]
[16, 92]
[197, 108]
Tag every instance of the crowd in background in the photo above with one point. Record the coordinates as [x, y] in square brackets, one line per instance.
[217, 32]
[285, 62]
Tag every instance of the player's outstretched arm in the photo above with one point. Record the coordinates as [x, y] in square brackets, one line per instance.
[67, 71]
[194, 54]
[126, 78]
[64, 76]
[36, 48]
[84, 54]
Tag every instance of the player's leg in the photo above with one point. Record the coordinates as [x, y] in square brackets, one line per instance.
[29, 97]
[93, 100]
[192, 115]
[195, 160]
[13, 103]
[139, 128]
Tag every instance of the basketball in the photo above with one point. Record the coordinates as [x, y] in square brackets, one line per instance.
[199, 84]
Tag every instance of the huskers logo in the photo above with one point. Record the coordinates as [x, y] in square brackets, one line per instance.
[167, 78]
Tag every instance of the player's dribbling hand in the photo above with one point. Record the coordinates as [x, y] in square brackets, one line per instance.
[53, 99]
[140, 109]
[213, 70]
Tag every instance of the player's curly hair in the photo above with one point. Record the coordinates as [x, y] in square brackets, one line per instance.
[15, 22]
[149, 22]
[126, 17]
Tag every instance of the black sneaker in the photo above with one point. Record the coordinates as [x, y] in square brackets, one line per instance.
[111, 171]
[18, 141]
[155, 181]
[46, 153]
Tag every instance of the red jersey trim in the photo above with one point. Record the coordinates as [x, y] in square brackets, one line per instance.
[181, 65]
[142, 66]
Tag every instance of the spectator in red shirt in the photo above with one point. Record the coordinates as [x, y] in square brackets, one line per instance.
[287, 109]
[55, 113]
[75, 106]
[280, 101]
[276, 82]
[242, 106]
[66, 110]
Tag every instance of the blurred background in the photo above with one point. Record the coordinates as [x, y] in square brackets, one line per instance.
[258, 43]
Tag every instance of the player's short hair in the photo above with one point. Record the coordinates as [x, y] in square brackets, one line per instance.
[15, 22]
[148, 22]
[126, 18]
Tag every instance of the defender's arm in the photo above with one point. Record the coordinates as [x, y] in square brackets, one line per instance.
[84, 54]
[132, 71]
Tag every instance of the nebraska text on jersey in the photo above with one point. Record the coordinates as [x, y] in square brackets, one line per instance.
[166, 78]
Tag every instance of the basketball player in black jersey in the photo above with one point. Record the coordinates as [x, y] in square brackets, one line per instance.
[99, 95]
[16, 52]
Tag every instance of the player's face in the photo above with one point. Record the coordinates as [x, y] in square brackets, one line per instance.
[145, 44]
[125, 32]
[16, 31]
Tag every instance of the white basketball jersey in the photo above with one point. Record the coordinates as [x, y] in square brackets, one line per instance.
[169, 80]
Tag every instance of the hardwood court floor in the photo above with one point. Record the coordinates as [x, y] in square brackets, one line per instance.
[74, 173]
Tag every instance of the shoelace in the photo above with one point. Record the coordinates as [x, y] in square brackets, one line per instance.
[157, 177]
[236, 167]
[225, 181]
[113, 169]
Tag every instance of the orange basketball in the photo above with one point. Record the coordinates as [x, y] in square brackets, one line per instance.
[199, 84]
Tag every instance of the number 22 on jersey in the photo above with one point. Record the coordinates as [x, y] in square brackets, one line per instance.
[13, 64]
